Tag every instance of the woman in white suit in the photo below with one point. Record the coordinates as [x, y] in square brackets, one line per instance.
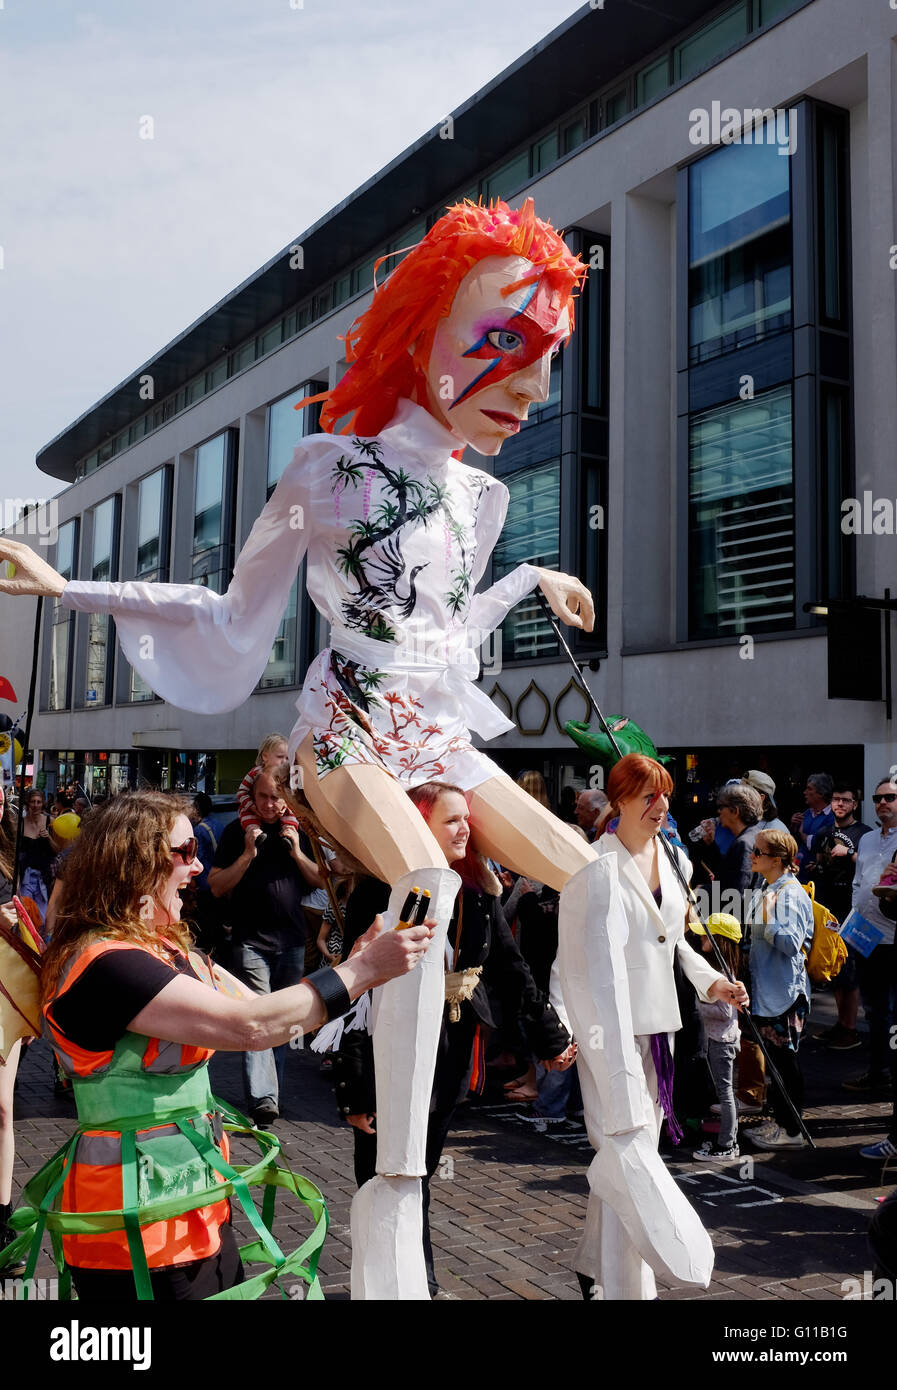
[640, 912]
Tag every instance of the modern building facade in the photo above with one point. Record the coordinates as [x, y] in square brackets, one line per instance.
[728, 174]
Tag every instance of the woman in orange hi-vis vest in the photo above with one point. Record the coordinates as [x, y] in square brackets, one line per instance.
[134, 1013]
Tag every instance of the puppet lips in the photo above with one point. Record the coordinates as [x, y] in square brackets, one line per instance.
[501, 417]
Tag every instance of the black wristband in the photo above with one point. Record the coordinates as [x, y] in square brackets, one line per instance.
[334, 995]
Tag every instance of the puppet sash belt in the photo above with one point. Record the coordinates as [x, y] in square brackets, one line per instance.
[453, 658]
[40, 1211]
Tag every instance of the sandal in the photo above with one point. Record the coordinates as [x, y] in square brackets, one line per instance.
[523, 1095]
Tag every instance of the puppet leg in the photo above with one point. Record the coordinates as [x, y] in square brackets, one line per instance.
[637, 1213]
[371, 815]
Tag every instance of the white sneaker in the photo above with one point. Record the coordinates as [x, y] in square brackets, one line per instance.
[777, 1138]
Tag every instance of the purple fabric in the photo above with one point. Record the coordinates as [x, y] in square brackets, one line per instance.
[663, 1065]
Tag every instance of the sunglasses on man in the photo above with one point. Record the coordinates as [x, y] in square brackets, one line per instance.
[187, 850]
[884, 796]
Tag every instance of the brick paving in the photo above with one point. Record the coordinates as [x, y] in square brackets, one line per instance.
[509, 1203]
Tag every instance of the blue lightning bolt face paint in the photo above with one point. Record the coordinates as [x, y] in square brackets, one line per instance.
[491, 355]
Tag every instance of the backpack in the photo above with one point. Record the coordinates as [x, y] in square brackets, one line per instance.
[828, 951]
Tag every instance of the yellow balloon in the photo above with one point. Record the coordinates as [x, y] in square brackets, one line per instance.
[4, 748]
[67, 826]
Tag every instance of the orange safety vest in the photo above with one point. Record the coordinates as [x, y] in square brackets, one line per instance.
[166, 1159]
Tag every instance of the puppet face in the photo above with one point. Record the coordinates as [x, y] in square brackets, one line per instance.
[491, 355]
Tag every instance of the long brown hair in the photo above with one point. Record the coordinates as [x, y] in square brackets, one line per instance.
[113, 872]
[475, 872]
[534, 784]
[7, 839]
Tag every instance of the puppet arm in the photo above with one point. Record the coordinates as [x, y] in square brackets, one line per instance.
[204, 651]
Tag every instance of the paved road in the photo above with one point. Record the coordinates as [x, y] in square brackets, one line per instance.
[509, 1203]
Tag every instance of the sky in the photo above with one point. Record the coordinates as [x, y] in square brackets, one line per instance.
[265, 114]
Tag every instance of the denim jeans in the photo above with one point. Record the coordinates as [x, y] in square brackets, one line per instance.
[263, 972]
[558, 1091]
[721, 1059]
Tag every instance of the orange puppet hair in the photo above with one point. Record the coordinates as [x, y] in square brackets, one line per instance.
[407, 308]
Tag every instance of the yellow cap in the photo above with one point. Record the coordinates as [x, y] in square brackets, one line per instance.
[721, 924]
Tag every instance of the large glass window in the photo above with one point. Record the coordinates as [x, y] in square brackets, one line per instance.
[213, 512]
[739, 248]
[653, 80]
[153, 538]
[510, 176]
[104, 561]
[708, 43]
[285, 428]
[771, 9]
[531, 533]
[545, 152]
[617, 106]
[741, 517]
[63, 624]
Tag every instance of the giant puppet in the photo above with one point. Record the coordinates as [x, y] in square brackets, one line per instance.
[398, 531]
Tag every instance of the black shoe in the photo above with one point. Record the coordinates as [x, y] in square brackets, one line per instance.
[265, 1113]
[867, 1082]
[14, 1269]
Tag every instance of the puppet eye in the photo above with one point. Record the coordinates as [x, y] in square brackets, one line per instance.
[504, 340]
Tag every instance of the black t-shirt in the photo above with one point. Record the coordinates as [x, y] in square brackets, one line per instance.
[265, 907]
[96, 1010]
[834, 873]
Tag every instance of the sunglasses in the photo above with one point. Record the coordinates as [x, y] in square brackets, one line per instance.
[761, 854]
[187, 850]
[885, 796]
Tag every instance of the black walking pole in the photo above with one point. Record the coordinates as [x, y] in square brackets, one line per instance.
[683, 881]
[26, 736]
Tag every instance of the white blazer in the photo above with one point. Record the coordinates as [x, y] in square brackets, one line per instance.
[655, 935]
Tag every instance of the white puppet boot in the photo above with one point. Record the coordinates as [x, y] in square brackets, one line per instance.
[387, 1217]
[636, 1212]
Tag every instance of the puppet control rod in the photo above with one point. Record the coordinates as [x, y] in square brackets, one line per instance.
[674, 863]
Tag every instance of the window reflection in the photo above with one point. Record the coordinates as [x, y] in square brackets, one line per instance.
[63, 623]
[103, 563]
[741, 522]
[739, 248]
[531, 533]
[153, 539]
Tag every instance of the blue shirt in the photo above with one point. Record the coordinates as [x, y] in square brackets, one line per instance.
[811, 826]
[208, 833]
[778, 965]
[875, 850]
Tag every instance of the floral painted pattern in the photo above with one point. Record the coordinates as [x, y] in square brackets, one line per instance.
[399, 740]
[373, 558]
